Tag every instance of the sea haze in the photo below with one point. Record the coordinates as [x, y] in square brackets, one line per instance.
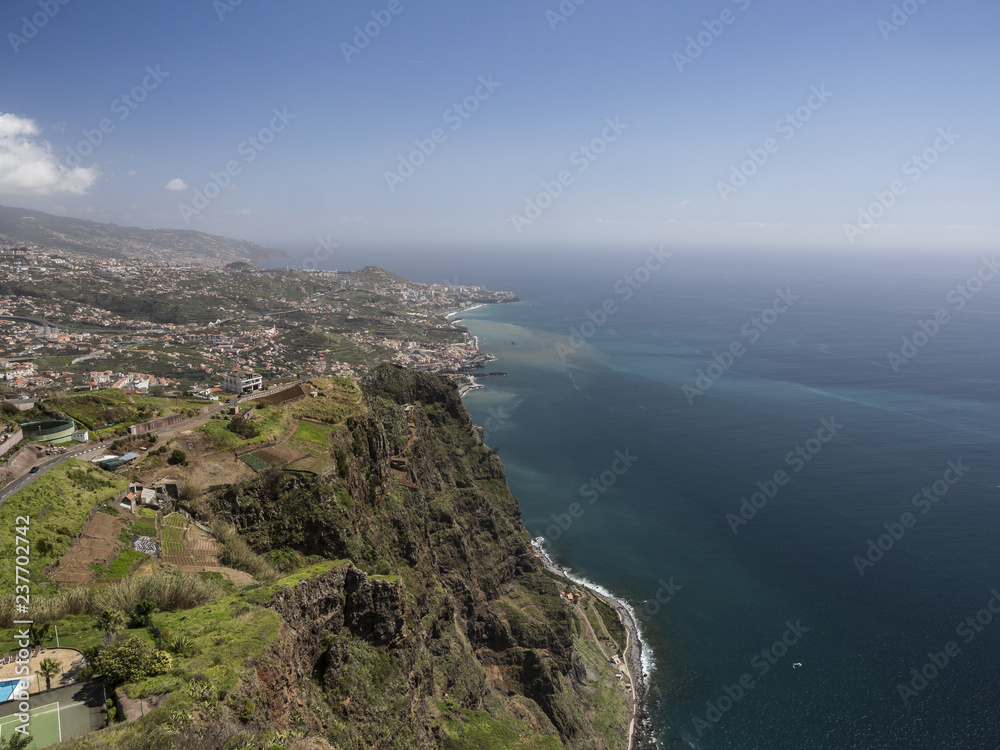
[720, 606]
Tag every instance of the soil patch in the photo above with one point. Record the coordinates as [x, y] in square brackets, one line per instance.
[99, 543]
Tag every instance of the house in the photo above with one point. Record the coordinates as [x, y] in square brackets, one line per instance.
[242, 382]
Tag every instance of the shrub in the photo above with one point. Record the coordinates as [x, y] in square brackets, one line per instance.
[169, 591]
[131, 658]
[246, 429]
[177, 456]
[236, 553]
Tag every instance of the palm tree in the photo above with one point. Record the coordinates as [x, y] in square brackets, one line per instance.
[48, 669]
[111, 621]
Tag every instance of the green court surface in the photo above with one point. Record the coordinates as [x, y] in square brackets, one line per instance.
[43, 724]
[56, 715]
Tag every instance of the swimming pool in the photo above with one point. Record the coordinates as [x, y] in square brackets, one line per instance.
[7, 688]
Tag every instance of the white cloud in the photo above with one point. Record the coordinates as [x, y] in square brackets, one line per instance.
[176, 184]
[684, 203]
[28, 166]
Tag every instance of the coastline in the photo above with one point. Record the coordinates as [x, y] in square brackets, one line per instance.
[635, 658]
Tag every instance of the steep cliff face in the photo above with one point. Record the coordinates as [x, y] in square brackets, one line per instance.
[439, 626]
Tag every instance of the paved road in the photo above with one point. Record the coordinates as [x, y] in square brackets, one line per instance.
[90, 451]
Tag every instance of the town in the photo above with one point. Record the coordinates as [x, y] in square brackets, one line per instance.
[78, 322]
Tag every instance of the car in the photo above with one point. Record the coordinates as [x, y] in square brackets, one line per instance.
[34, 470]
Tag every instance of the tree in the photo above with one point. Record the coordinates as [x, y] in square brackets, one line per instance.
[131, 658]
[38, 634]
[15, 741]
[111, 621]
[141, 612]
[48, 669]
[177, 456]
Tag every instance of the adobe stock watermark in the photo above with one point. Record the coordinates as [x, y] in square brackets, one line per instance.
[321, 252]
[924, 500]
[786, 127]
[364, 34]
[591, 491]
[901, 15]
[494, 423]
[915, 168]
[753, 329]
[664, 595]
[796, 459]
[958, 298]
[714, 28]
[123, 106]
[222, 7]
[249, 148]
[761, 663]
[47, 10]
[624, 288]
[968, 630]
[562, 13]
[582, 158]
[455, 117]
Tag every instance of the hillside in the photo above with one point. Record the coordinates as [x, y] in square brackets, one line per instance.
[21, 226]
[407, 609]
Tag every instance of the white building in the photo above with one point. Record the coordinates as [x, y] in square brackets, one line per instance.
[242, 382]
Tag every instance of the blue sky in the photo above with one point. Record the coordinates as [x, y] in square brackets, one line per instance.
[863, 99]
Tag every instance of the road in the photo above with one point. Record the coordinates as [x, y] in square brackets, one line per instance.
[91, 450]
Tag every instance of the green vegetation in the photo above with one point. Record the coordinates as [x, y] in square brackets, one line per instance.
[96, 409]
[169, 591]
[49, 668]
[255, 463]
[130, 658]
[612, 622]
[57, 504]
[477, 730]
[126, 561]
[172, 532]
[340, 399]
[245, 428]
[143, 527]
[313, 433]
[236, 553]
[272, 423]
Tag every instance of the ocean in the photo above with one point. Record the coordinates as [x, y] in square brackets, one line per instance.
[786, 463]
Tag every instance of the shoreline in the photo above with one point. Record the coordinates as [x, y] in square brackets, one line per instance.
[635, 651]
[465, 309]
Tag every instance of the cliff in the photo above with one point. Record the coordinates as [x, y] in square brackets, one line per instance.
[421, 619]
[442, 608]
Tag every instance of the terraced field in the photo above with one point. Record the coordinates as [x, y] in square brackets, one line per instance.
[186, 544]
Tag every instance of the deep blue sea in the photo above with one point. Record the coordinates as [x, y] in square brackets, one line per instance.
[793, 618]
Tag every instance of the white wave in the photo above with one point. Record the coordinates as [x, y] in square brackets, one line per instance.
[645, 652]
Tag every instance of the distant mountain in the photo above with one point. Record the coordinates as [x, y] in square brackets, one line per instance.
[21, 226]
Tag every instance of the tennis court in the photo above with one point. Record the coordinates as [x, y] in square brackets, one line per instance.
[57, 715]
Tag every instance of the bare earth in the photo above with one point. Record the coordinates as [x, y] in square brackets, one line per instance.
[97, 544]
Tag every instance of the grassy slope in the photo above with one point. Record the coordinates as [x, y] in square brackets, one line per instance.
[57, 504]
[272, 423]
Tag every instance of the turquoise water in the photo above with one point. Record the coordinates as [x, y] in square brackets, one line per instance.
[7, 688]
[728, 616]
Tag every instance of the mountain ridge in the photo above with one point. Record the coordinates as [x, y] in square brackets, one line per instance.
[23, 226]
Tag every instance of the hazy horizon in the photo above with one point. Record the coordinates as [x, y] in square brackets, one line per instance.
[723, 122]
